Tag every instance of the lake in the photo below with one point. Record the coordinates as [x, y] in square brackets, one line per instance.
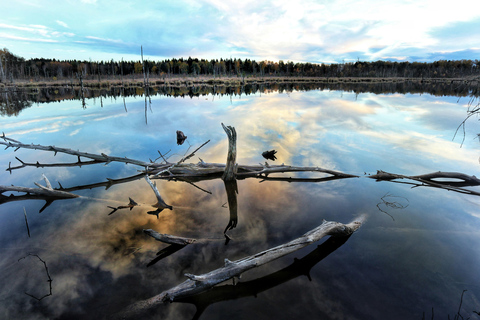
[413, 257]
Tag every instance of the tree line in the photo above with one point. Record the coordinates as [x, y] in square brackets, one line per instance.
[13, 67]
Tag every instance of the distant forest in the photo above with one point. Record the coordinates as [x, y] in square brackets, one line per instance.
[13, 67]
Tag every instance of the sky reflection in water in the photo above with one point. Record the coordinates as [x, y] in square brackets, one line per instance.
[397, 266]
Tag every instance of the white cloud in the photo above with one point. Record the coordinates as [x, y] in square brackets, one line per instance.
[63, 24]
[103, 39]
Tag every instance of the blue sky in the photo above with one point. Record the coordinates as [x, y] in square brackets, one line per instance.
[305, 30]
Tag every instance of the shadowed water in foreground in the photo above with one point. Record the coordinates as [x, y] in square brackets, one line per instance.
[417, 250]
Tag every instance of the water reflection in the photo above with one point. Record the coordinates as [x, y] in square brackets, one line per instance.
[98, 262]
[14, 99]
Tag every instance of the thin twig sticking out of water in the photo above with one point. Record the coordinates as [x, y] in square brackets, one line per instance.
[26, 221]
[48, 275]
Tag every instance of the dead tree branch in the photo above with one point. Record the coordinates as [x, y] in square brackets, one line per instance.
[199, 283]
[231, 165]
[160, 205]
[10, 143]
[79, 163]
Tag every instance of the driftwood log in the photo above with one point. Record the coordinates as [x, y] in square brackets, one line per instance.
[199, 283]
[453, 181]
[231, 165]
[178, 170]
[300, 267]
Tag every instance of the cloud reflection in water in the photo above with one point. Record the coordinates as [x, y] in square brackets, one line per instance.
[396, 268]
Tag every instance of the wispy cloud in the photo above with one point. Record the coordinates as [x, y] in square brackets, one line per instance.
[7, 36]
[330, 31]
[104, 40]
[63, 24]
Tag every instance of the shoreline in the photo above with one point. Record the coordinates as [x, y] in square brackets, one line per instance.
[178, 81]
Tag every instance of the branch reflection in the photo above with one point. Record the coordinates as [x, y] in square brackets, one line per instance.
[300, 267]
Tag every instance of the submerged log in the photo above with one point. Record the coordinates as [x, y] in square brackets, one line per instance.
[167, 238]
[199, 283]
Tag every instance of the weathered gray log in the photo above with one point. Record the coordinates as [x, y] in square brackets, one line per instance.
[265, 170]
[230, 168]
[251, 288]
[465, 179]
[429, 180]
[179, 169]
[199, 283]
[203, 169]
[10, 143]
[40, 191]
[167, 238]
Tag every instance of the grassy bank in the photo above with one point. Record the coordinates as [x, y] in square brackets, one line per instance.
[177, 81]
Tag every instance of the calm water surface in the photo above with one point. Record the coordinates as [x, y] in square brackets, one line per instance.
[417, 251]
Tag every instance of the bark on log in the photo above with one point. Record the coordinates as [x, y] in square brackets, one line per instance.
[199, 283]
[230, 168]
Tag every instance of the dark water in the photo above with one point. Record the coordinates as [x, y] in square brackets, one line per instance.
[417, 251]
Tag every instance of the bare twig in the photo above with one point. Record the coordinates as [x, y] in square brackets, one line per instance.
[393, 205]
[48, 276]
[180, 161]
[26, 221]
[160, 202]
